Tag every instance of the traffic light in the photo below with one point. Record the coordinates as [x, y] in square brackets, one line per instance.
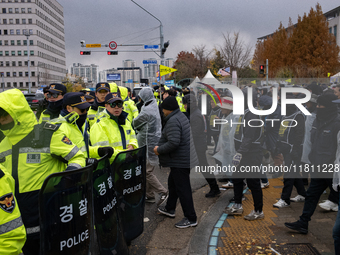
[165, 45]
[261, 69]
[112, 52]
[85, 53]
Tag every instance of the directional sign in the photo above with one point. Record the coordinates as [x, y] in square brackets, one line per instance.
[164, 70]
[150, 46]
[93, 45]
[149, 61]
[113, 45]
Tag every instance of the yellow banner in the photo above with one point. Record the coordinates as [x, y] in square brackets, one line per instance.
[289, 80]
[93, 45]
[164, 70]
[328, 74]
[254, 81]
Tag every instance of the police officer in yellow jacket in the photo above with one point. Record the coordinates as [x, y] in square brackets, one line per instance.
[102, 89]
[74, 124]
[113, 129]
[55, 96]
[30, 153]
[12, 229]
[128, 106]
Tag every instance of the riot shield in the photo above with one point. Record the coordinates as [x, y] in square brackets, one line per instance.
[129, 172]
[107, 223]
[65, 206]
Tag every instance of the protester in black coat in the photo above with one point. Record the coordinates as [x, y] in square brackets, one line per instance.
[176, 150]
[197, 128]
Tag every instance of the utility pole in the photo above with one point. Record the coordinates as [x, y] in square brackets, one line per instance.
[161, 34]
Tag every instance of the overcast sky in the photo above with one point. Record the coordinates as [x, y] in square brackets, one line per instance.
[186, 24]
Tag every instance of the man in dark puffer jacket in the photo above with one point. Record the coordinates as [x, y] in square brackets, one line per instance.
[173, 148]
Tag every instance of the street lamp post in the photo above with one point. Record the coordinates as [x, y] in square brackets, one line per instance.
[28, 63]
[160, 30]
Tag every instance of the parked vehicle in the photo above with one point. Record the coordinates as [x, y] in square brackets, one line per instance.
[33, 99]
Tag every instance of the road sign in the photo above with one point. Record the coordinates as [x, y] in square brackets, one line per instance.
[113, 45]
[164, 70]
[150, 46]
[130, 81]
[145, 62]
[93, 45]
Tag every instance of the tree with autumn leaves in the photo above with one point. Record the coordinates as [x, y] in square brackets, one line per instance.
[304, 50]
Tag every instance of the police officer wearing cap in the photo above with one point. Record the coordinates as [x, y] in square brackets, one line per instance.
[55, 96]
[73, 119]
[102, 89]
[90, 96]
[113, 129]
[12, 229]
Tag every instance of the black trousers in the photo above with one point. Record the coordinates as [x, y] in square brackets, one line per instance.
[291, 179]
[254, 184]
[209, 177]
[180, 188]
[32, 245]
[315, 190]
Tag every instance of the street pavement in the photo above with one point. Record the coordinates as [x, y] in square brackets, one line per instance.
[220, 234]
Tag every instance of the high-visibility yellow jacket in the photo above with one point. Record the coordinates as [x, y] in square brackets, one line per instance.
[77, 136]
[129, 105]
[116, 132]
[12, 229]
[180, 103]
[32, 152]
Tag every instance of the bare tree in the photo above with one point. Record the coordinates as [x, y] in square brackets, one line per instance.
[236, 53]
[202, 55]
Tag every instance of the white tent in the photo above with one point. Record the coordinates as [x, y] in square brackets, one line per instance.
[193, 85]
[210, 79]
[335, 78]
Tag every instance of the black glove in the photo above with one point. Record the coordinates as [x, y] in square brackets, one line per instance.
[102, 151]
[92, 161]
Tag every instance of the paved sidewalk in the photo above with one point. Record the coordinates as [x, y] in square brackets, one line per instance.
[235, 235]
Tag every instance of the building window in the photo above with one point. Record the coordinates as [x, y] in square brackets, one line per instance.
[0, 53]
[25, 42]
[5, 32]
[14, 74]
[15, 84]
[26, 63]
[13, 52]
[33, 73]
[16, 10]
[0, 42]
[6, 53]
[31, 42]
[33, 84]
[24, 31]
[335, 31]
[4, 21]
[21, 84]
[22, 10]
[18, 31]
[20, 74]
[10, 21]
[29, 10]
[10, 10]
[25, 53]
[3, 10]
[20, 62]
[26, 74]
[19, 53]
[26, 84]
[32, 63]
[13, 63]
[8, 74]
[6, 42]
[29, 21]
[31, 31]
[19, 42]
[1, 63]
[32, 52]
[23, 21]
[17, 21]
[7, 63]
[11, 31]
[12, 42]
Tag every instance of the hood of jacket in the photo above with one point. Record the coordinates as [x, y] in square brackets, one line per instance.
[146, 94]
[123, 92]
[14, 102]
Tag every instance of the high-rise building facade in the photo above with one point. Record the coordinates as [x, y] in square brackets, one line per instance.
[31, 31]
[88, 72]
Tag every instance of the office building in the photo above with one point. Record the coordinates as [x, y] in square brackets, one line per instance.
[32, 31]
[89, 73]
